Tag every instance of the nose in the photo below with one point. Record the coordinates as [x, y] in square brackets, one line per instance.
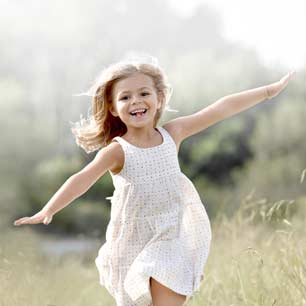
[136, 100]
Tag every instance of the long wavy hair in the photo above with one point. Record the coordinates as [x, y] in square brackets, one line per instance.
[101, 126]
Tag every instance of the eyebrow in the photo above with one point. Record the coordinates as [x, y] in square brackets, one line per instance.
[122, 92]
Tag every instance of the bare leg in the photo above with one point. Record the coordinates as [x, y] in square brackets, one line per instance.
[163, 296]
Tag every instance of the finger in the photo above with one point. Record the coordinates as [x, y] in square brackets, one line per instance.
[17, 222]
[292, 74]
[29, 220]
[33, 220]
[288, 77]
[21, 219]
[24, 221]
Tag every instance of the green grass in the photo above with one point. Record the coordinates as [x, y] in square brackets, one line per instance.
[257, 261]
[257, 257]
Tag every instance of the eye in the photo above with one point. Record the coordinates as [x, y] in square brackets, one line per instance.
[123, 98]
[145, 93]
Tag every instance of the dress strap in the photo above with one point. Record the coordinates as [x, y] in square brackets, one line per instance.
[120, 140]
[167, 137]
[126, 144]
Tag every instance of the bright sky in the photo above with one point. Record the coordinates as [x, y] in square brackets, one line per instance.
[274, 28]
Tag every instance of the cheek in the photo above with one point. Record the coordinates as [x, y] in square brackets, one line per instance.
[122, 109]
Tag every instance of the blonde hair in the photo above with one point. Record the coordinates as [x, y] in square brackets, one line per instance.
[101, 127]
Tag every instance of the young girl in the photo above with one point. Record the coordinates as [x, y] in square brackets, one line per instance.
[158, 237]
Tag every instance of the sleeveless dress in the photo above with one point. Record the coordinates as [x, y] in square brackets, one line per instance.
[158, 227]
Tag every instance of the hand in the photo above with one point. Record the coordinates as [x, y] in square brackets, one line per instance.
[42, 216]
[275, 88]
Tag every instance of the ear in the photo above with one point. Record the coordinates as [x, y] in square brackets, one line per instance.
[113, 110]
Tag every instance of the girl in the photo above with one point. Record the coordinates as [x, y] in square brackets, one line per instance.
[158, 237]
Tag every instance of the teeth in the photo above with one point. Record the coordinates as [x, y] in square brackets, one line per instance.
[138, 111]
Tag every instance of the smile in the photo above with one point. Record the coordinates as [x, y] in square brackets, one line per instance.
[138, 113]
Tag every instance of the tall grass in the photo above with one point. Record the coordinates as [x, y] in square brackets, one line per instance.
[257, 258]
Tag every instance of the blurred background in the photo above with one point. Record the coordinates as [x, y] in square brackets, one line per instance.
[51, 50]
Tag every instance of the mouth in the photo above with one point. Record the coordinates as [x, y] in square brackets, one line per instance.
[139, 112]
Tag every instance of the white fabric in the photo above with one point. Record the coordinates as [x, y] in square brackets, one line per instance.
[158, 227]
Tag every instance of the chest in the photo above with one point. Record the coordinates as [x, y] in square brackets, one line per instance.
[146, 159]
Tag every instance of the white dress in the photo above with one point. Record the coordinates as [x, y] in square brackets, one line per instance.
[158, 227]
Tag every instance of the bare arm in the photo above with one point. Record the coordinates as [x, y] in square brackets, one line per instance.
[235, 103]
[225, 107]
[73, 188]
[76, 185]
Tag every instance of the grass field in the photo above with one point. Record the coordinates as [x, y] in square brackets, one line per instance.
[257, 257]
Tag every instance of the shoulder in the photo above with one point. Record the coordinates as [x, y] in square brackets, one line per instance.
[107, 158]
[117, 154]
[110, 157]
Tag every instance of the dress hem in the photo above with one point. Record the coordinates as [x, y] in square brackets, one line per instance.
[147, 290]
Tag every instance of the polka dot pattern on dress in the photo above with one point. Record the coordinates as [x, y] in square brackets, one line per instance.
[158, 227]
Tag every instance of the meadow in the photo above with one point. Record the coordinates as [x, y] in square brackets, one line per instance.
[257, 258]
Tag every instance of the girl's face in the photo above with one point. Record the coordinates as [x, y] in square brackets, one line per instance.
[137, 92]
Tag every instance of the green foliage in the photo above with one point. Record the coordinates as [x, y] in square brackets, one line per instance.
[41, 72]
[278, 148]
[89, 216]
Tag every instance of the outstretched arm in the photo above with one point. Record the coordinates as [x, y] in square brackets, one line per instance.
[225, 107]
[75, 186]
[235, 103]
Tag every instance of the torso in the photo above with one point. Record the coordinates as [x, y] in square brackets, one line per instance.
[120, 156]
